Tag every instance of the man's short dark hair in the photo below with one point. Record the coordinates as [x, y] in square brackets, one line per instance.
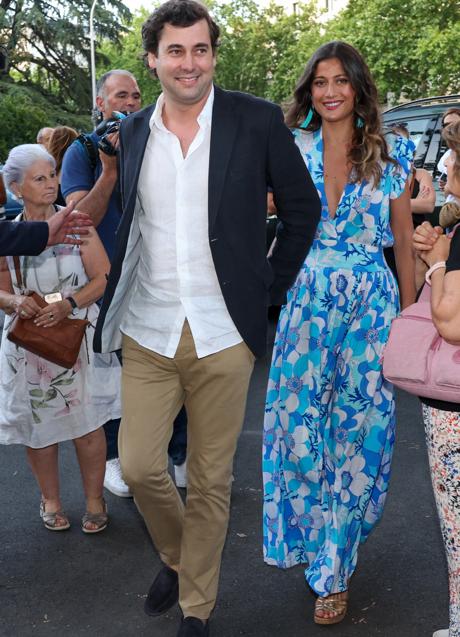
[177, 13]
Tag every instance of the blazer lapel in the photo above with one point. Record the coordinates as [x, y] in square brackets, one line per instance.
[134, 156]
[223, 132]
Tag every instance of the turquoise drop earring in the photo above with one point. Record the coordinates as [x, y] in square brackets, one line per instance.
[307, 120]
[359, 122]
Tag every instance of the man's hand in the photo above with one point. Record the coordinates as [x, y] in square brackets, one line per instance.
[67, 222]
[109, 165]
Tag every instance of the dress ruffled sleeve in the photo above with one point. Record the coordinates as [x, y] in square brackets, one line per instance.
[402, 151]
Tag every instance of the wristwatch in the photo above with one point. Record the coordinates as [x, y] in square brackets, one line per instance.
[74, 305]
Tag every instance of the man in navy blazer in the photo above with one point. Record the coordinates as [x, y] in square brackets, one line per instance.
[189, 287]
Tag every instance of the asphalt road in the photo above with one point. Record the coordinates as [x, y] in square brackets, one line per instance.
[74, 584]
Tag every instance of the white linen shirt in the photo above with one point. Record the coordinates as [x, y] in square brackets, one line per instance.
[176, 278]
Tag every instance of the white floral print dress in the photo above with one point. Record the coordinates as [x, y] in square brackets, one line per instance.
[42, 403]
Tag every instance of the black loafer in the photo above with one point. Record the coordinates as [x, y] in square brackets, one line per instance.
[163, 593]
[193, 627]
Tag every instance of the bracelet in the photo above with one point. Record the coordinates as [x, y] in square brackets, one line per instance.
[436, 266]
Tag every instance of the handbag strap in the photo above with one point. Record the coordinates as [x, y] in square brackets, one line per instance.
[17, 267]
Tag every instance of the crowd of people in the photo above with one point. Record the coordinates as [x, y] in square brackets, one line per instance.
[178, 253]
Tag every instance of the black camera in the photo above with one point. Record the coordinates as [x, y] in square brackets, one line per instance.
[107, 127]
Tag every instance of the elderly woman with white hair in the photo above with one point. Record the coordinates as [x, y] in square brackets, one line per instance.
[42, 404]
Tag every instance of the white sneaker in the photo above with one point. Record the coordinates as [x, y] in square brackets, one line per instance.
[180, 475]
[441, 633]
[113, 480]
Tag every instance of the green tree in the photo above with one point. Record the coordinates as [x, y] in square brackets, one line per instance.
[23, 111]
[48, 43]
[411, 47]
[264, 49]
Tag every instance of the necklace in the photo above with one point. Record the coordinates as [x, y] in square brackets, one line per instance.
[25, 215]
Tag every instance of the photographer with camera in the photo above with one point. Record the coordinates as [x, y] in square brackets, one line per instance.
[89, 175]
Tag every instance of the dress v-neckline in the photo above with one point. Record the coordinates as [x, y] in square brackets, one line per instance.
[347, 190]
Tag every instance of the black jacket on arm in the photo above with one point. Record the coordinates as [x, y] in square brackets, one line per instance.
[251, 148]
[23, 238]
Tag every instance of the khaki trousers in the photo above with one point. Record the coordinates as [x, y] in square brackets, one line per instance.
[214, 390]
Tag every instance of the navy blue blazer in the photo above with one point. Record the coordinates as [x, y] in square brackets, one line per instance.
[251, 149]
[23, 237]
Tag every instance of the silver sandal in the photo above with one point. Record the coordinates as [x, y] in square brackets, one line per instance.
[50, 519]
[99, 519]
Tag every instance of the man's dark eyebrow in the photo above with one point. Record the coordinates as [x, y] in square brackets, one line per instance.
[198, 45]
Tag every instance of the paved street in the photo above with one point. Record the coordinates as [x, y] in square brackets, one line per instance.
[73, 584]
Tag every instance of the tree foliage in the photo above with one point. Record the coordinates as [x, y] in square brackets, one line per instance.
[48, 43]
[23, 111]
[263, 50]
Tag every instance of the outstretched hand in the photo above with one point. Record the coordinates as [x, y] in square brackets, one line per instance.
[65, 224]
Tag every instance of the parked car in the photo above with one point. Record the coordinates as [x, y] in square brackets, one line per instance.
[423, 119]
[12, 206]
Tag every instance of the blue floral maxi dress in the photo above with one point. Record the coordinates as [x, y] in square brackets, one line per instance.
[329, 416]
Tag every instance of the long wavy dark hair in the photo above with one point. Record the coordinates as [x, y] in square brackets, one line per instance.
[368, 145]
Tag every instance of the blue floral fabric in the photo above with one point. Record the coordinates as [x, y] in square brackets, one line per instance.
[329, 416]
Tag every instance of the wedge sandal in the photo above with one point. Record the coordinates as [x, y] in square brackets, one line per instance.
[335, 605]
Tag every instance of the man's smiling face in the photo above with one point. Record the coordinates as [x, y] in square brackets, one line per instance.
[185, 63]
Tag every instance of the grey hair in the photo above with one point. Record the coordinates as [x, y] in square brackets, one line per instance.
[20, 159]
[100, 87]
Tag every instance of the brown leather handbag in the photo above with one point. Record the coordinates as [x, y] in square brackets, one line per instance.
[59, 344]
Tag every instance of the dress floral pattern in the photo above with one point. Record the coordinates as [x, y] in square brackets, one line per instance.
[329, 416]
[42, 403]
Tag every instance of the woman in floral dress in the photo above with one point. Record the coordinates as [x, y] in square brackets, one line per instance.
[441, 418]
[42, 404]
[329, 418]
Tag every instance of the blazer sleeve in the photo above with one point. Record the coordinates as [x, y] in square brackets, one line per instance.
[27, 238]
[298, 207]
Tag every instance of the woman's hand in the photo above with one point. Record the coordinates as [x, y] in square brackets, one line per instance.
[425, 237]
[23, 305]
[439, 252]
[53, 313]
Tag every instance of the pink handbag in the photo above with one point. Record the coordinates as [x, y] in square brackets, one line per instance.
[417, 359]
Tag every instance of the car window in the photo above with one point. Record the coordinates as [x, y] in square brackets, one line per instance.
[416, 126]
